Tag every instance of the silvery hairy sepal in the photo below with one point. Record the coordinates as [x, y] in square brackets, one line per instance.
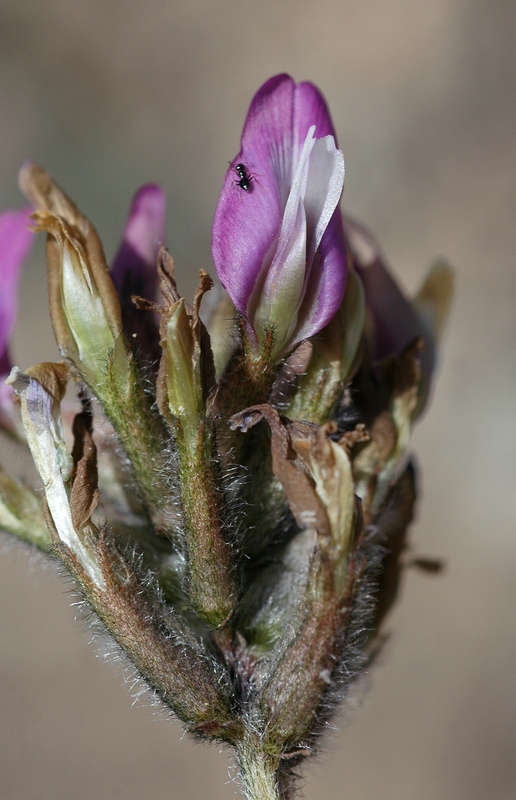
[235, 504]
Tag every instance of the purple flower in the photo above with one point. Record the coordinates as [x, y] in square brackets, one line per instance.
[397, 320]
[134, 269]
[278, 243]
[15, 244]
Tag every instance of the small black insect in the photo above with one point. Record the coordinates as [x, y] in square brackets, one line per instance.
[244, 178]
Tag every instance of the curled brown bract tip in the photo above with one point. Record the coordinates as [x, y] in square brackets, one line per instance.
[52, 377]
[46, 195]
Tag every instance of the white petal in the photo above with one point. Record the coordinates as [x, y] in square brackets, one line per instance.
[282, 289]
[323, 190]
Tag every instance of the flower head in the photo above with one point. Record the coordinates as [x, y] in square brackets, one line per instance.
[239, 573]
[277, 241]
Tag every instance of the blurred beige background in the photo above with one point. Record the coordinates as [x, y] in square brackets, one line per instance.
[109, 95]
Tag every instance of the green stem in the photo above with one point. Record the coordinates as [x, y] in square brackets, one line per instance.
[259, 772]
[166, 653]
[143, 437]
[212, 588]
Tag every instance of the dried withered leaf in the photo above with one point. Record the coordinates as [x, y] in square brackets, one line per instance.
[382, 442]
[143, 304]
[357, 436]
[329, 465]
[166, 277]
[84, 496]
[205, 284]
[377, 465]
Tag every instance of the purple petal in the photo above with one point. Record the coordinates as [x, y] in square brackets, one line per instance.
[396, 322]
[15, 244]
[326, 283]
[311, 109]
[328, 270]
[248, 223]
[134, 269]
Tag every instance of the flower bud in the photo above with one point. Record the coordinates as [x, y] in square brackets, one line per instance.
[394, 320]
[183, 374]
[15, 244]
[186, 373]
[277, 240]
[16, 241]
[134, 268]
[84, 306]
[85, 332]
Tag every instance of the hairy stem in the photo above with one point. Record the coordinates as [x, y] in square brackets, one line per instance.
[212, 586]
[143, 437]
[258, 771]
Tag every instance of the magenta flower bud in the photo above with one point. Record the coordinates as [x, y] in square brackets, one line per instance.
[134, 268]
[398, 320]
[15, 244]
[277, 242]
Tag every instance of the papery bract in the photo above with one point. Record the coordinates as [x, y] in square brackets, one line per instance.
[278, 244]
